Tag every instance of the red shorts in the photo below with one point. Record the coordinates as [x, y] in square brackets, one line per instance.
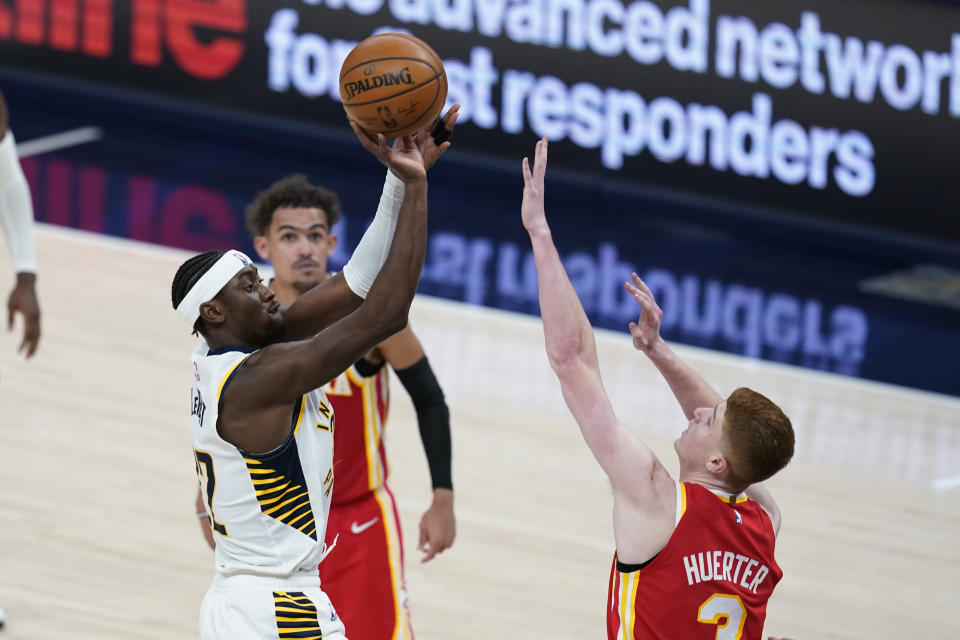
[363, 575]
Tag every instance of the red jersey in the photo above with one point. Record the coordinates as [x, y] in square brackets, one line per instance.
[711, 580]
[360, 405]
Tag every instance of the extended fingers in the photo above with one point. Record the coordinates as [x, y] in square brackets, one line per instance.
[540, 163]
[29, 345]
[31, 336]
[364, 135]
[640, 284]
[374, 143]
[646, 301]
[450, 117]
[526, 170]
[638, 294]
[639, 287]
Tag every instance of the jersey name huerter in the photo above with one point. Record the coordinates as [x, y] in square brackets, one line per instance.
[725, 566]
[712, 579]
[268, 511]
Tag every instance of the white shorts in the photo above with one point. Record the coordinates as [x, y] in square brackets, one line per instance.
[253, 607]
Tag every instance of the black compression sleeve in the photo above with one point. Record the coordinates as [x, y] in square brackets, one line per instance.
[433, 418]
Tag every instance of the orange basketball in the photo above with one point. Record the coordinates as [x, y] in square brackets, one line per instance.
[393, 84]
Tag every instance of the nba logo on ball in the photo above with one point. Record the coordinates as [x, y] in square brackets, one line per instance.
[394, 84]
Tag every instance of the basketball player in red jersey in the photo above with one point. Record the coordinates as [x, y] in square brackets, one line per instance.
[291, 223]
[694, 559]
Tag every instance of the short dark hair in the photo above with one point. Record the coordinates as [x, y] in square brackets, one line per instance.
[187, 275]
[293, 191]
[759, 437]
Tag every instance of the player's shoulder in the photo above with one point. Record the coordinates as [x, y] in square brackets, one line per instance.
[224, 355]
[212, 366]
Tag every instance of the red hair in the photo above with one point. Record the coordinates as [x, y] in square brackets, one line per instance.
[758, 437]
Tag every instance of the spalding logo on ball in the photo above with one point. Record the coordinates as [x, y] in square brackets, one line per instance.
[394, 84]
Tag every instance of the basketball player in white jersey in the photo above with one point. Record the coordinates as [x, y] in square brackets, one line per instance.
[16, 220]
[291, 224]
[262, 427]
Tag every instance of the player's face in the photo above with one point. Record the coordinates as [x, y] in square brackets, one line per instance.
[253, 310]
[298, 245]
[703, 436]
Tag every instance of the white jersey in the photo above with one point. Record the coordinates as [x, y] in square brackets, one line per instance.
[268, 511]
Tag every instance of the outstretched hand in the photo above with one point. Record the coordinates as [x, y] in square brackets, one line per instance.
[428, 146]
[404, 157]
[23, 300]
[646, 330]
[532, 211]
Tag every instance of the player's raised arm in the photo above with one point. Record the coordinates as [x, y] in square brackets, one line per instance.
[256, 405]
[691, 390]
[571, 349]
[688, 386]
[340, 294]
[293, 369]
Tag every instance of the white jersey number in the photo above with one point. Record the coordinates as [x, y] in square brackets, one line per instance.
[208, 478]
[729, 609]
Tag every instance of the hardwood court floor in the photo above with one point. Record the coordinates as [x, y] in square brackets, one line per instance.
[98, 537]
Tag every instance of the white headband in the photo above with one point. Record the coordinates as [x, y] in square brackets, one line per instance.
[210, 284]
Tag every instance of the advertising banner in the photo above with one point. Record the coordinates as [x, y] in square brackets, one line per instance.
[836, 111]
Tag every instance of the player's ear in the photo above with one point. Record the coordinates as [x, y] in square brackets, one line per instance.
[332, 241]
[717, 464]
[212, 313]
[260, 244]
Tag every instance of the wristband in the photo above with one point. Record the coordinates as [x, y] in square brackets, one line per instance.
[440, 133]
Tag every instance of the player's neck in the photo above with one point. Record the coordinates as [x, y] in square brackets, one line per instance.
[710, 482]
[217, 340]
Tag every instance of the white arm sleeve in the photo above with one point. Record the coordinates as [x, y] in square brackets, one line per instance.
[364, 265]
[16, 208]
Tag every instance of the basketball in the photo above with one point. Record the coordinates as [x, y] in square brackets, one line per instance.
[394, 84]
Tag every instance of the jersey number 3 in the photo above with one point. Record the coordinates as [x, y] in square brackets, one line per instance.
[727, 612]
[208, 478]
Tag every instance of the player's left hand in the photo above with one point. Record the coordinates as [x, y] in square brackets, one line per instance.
[646, 330]
[438, 527]
[23, 300]
[403, 158]
[531, 209]
[426, 142]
